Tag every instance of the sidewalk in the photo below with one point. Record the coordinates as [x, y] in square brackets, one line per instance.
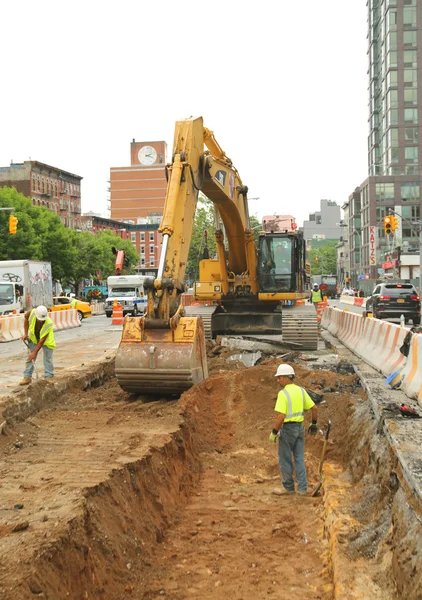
[73, 350]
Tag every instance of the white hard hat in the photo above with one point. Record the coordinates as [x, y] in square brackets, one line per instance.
[284, 370]
[41, 313]
[316, 285]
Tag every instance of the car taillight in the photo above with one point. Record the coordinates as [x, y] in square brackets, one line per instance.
[385, 297]
[414, 297]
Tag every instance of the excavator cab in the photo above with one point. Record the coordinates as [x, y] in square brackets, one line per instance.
[281, 263]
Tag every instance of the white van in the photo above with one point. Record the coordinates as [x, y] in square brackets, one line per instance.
[127, 290]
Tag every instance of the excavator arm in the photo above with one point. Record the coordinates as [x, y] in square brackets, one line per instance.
[164, 351]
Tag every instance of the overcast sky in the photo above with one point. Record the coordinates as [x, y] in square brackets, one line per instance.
[282, 84]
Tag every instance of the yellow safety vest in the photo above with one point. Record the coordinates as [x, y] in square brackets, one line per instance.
[292, 401]
[316, 296]
[73, 302]
[47, 329]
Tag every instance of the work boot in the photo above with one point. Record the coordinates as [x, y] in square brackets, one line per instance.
[302, 493]
[282, 492]
[25, 381]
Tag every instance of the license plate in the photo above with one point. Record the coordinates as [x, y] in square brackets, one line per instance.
[400, 300]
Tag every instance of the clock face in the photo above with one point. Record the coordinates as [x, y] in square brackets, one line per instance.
[147, 155]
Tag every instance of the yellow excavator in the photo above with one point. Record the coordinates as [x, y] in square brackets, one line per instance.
[251, 290]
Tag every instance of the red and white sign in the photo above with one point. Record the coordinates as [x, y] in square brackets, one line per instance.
[372, 245]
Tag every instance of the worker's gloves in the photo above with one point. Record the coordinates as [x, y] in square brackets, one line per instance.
[273, 435]
[313, 429]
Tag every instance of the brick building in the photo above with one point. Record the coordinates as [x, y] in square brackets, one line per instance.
[51, 187]
[144, 237]
[138, 191]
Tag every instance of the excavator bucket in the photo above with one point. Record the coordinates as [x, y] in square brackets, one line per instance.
[161, 360]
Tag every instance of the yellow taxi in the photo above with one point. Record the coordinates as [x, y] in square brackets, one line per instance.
[65, 303]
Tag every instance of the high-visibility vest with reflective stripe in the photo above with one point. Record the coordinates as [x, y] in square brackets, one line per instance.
[47, 329]
[316, 296]
[296, 404]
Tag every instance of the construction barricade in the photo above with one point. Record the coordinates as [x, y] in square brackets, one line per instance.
[412, 372]
[11, 327]
[377, 342]
[65, 319]
[321, 306]
[117, 314]
[98, 308]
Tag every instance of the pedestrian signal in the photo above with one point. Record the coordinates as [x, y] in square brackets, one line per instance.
[13, 224]
[394, 223]
[388, 229]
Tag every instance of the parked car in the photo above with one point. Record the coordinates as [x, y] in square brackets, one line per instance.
[64, 303]
[391, 300]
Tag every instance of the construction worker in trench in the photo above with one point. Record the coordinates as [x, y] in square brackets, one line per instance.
[292, 401]
[39, 333]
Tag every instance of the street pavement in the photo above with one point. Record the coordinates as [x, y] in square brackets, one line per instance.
[94, 340]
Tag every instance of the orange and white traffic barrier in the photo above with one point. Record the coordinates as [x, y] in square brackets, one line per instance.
[117, 314]
[98, 308]
[65, 319]
[376, 342]
[412, 372]
[321, 306]
[11, 327]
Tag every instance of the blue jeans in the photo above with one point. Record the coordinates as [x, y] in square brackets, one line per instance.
[292, 441]
[48, 362]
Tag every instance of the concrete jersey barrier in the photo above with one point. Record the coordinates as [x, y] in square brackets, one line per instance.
[376, 342]
[12, 327]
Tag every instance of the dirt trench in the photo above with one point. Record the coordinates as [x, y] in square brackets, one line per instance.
[124, 497]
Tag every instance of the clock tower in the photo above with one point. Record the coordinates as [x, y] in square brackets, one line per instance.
[147, 154]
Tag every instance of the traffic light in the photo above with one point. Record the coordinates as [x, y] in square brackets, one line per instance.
[13, 224]
[388, 226]
[394, 223]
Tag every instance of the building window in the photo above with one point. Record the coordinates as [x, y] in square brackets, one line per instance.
[409, 16]
[151, 236]
[409, 38]
[410, 191]
[142, 262]
[411, 154]
[410, 58]
[411, 134]
[410, 77]
[152, 261]
[142, 249]
[410, 96]
[142, 236]
[384, 191]
[133, 236]
[411, 115]
[151, 249]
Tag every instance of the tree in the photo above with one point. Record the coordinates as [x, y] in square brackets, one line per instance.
[203, 220]
[324, 259]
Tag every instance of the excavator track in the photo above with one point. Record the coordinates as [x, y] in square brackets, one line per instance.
[206, 313]
[300, 326]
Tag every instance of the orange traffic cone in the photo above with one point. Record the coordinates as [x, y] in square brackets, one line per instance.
[117, 314]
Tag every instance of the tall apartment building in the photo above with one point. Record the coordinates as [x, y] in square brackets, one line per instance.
[394, 143]
[139, 190]
[51, 187]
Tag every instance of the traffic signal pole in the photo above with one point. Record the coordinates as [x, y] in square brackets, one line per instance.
[392, 212]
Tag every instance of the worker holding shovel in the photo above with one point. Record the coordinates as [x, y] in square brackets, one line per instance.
[292, 401]
[38, 333]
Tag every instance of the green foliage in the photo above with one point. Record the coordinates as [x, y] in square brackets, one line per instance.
[204, 220]
[74, 255]
[327, 259]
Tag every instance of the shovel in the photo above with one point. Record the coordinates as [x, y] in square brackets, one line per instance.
[33, 361]
[321, 462]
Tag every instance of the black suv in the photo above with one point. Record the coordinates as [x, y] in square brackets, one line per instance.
[391, 300]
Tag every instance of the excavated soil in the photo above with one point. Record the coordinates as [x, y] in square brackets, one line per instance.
[109, 496]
